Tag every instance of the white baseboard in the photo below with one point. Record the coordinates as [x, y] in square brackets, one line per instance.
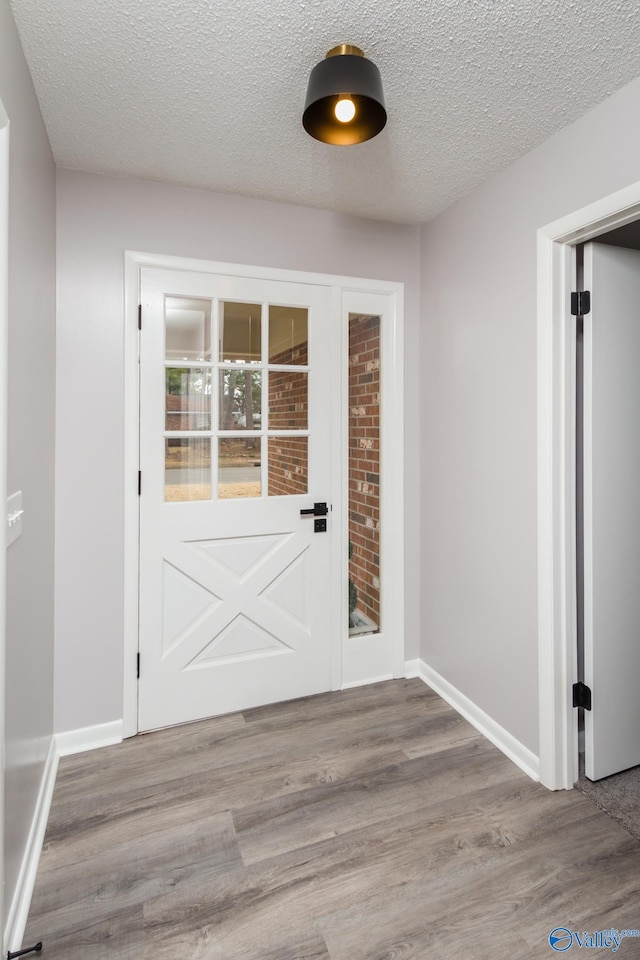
[62, 744]
[412, 669]
[19, 909]
[89, 738]
[528, 762]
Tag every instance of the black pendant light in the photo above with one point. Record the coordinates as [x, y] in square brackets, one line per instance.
[345, 103]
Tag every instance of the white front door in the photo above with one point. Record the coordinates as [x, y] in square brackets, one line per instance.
[237, 408]
[612, 509]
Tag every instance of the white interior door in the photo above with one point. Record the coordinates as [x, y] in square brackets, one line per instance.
[612, 509]
[236, 418]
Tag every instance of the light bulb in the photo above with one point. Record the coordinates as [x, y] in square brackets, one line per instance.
[345, 110]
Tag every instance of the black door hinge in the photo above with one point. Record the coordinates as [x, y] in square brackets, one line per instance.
[580, 303]
[581, 695]
[139, 316]
[138, 666]
[139, 482]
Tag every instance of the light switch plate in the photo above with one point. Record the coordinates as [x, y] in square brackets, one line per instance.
[14, 516]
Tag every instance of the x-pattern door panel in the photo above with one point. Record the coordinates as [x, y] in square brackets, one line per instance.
[235, 432]
[278, 610]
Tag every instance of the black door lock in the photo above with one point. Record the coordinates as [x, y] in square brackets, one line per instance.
[318, 510]
[320, 526]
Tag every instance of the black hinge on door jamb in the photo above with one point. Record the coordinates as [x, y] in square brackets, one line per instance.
[581, 695]
[139, 316]
[138, 666]
[139, 482]
[580, 303]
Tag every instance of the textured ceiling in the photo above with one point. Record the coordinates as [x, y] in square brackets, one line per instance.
[211, 94]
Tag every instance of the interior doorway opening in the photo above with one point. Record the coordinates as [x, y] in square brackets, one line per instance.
[557, 526]
[607, 613]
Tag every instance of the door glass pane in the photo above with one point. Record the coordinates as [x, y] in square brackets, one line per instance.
[288, 466]
[241, 332]
[240, 399]
[364, 474]
[187, 328]
[288, 335]
[188, 398]
[288, 400]
[239, 467]
[187, 474]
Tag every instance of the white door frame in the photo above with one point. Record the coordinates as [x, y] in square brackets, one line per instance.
[4, 324]
[393, 452]
[556, 351]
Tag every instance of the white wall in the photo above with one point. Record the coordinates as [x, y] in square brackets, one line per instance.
[29, 655]
[478, 432]
[99, 218]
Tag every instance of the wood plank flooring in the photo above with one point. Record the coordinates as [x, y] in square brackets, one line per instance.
[372, 824]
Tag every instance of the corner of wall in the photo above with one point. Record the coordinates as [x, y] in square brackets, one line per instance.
[18, 911]
[512, 748]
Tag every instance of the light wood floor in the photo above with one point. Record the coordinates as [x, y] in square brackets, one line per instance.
[373, 824]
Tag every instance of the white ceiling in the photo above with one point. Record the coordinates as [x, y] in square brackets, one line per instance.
[211, 94]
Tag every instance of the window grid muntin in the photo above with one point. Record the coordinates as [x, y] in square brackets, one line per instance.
[218, 367]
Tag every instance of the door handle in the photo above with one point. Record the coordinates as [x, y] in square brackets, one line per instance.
[317, 510]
